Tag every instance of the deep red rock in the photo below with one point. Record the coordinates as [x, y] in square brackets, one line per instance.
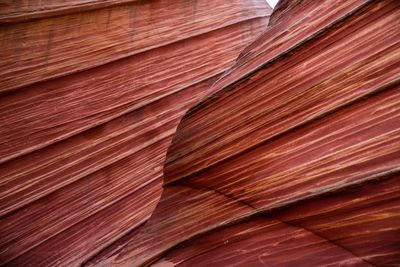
[91, 93]
[299, 147]
[291, 158]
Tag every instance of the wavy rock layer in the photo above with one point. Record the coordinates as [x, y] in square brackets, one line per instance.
[296, 158]
[91, 93]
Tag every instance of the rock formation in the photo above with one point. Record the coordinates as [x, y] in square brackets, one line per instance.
[288, 155]
[91, 93]
[295, 160]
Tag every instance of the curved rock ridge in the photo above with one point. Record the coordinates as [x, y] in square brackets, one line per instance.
[296, 156]
[91, 93]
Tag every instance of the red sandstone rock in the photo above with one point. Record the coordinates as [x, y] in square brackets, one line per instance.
[295, 159]
[91, 94]
[331, 230]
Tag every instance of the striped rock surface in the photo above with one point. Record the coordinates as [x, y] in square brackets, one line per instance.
[91, 93]
[295, 160]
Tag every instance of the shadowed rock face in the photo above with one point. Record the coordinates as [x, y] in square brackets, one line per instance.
[295, 159]
[91, 93]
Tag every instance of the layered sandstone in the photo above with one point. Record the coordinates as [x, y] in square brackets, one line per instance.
[91, 93]
[295, 159]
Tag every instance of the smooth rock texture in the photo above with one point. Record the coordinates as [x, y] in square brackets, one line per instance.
[91, 93]
[295, 159]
